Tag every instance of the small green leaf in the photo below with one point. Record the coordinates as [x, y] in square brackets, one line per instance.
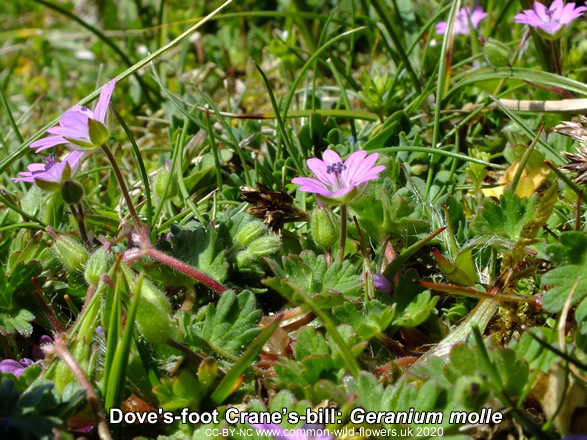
[571, 257]
[230, 325]
[506, 219]
[199, 248]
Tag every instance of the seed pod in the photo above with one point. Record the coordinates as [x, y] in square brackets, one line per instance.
[249, 232]
[264, 246]
[97, 265]
[324, 229]
[70, 252]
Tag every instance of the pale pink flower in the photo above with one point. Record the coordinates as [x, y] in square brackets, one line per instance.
[461, 24]
[338, 182]
[81, 128]
[50, 174]
[553, 20]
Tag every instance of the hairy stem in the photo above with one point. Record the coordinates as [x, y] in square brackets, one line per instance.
[123, 188]
[343, 220]
[78, 213]
[93, 399]
[187, 269]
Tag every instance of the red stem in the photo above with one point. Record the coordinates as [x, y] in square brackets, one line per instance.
[187, 269]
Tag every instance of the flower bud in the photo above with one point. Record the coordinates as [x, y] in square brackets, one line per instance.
[243, 258]
[152, 322]
[324, 229]
[496, 53]
[249, 232]
[264, 246]
[70, 252]
[207, 372]
[161, 183]
[381, 283]
[72, 191]
[97, 265]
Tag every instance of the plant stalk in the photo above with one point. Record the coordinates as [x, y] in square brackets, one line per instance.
[187, 269]
[123, 187]
[343, 221]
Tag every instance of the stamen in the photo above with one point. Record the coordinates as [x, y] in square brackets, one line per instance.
[335, 168]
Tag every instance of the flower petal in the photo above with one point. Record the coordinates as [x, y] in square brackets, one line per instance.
[441, 28]
[83, 109]
[12, 366]
[541, 12]
[477, 15]
[104, 101]
[556, 9]
[363, 168]
[74, 159]
[69, 132]
[310, 185]
[75, 120]
[318, 167]
[331, 157]
[47, 142]
[353, 164]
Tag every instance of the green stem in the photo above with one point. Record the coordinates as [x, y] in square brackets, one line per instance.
[10, 117]
[215, 151]
[139, 160]
[123, 188]
[343, 221]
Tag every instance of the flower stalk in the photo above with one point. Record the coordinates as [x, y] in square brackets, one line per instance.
[123, 187]
[61, 350]
[343, 222]
[186, 268]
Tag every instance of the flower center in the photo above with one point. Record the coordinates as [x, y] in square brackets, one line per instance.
[49, 159]
[335, 168]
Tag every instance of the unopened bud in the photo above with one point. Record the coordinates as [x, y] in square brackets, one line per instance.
[161, 183]
[264, 246]
[496, 53]
[207, 372]
[153, 323]
[324, 228]
[70, 252]
[97, 265]
[149, 292]
[249, 232]
[72, 191]
[243, 258]
[381, 283]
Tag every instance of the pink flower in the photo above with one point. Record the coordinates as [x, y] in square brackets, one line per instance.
[461, 24]
[337, 182]
[553, 20]
[15, 367]
[81, 128]
[51, 174]
[381, 283]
